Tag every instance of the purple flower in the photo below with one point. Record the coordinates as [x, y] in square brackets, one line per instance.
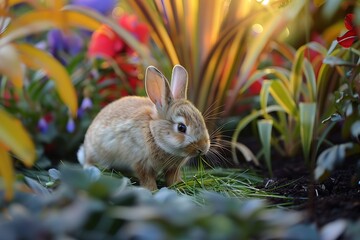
[70, 126]
[43, 125]
[85, 104]
[104, 7]
[69, 42]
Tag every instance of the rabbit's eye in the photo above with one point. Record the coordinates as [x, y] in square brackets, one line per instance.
[181, 127]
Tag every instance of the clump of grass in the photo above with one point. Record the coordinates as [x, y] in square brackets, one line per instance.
[232, 183]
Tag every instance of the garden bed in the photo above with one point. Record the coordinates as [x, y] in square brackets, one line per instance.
[338, 197]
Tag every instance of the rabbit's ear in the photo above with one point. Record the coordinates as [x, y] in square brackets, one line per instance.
[157, 88]
[179, 82]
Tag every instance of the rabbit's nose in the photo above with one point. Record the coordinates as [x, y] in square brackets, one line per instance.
[201, 151]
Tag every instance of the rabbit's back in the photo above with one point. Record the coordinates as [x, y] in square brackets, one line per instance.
[118, 135]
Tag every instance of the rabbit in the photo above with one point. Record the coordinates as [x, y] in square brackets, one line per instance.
[149, 135]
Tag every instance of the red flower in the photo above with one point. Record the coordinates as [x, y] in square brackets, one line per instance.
[351, 35]
[255, 88]
[105, 42]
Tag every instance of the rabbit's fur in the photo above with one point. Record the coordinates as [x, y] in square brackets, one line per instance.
[147, 133]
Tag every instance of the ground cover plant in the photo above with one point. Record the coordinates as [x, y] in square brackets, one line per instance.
[281, 100]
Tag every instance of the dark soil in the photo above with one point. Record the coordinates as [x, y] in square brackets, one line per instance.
[337, 197]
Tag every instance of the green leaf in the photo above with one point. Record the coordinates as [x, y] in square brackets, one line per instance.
[38, 59]
[296, 73]
[279, 73]
[355, 130]
[307, 123]
[14, 136]
[264, 94]
[310, 80]
[282, 96]
[336, 61]
[265, 129]
[301, 64]
[330, 158]
[244, 122]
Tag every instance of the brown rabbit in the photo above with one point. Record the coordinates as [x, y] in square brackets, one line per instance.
[148, 134]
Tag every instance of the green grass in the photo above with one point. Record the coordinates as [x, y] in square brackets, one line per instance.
[231, 183]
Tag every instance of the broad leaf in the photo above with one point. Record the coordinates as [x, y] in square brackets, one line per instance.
[307, 123]
[279, 73]
[244, 122]
[37, 187]
[355, 130]
[296, 73]
[14, 136]
[310, 80]
[37, 59]
[264, 95]
[330, 158]
[265, 129]
[336, 61]
[282, 96]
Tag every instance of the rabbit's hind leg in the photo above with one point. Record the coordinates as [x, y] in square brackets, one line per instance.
[146, 175]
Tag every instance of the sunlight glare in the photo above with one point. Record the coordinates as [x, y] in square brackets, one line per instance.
[263, 2]
[257, 28]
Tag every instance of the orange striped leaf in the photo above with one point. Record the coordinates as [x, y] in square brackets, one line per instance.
[37, 59]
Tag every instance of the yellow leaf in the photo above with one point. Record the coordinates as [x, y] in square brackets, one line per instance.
[14, 136]
[282, 96]
[318, 3]
[80, 20]
[10, 65]
[38, 21]
[38, 59]
[29, 23]
[14, 2]
[7, 172]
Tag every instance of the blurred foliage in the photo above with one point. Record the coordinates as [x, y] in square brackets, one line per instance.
[31, 56]
[346, 113]
[292, 102]
[226, 46]
[14, 53]
[110, 207]
[218, 42]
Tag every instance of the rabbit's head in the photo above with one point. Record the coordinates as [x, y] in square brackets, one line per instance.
[178, 127]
